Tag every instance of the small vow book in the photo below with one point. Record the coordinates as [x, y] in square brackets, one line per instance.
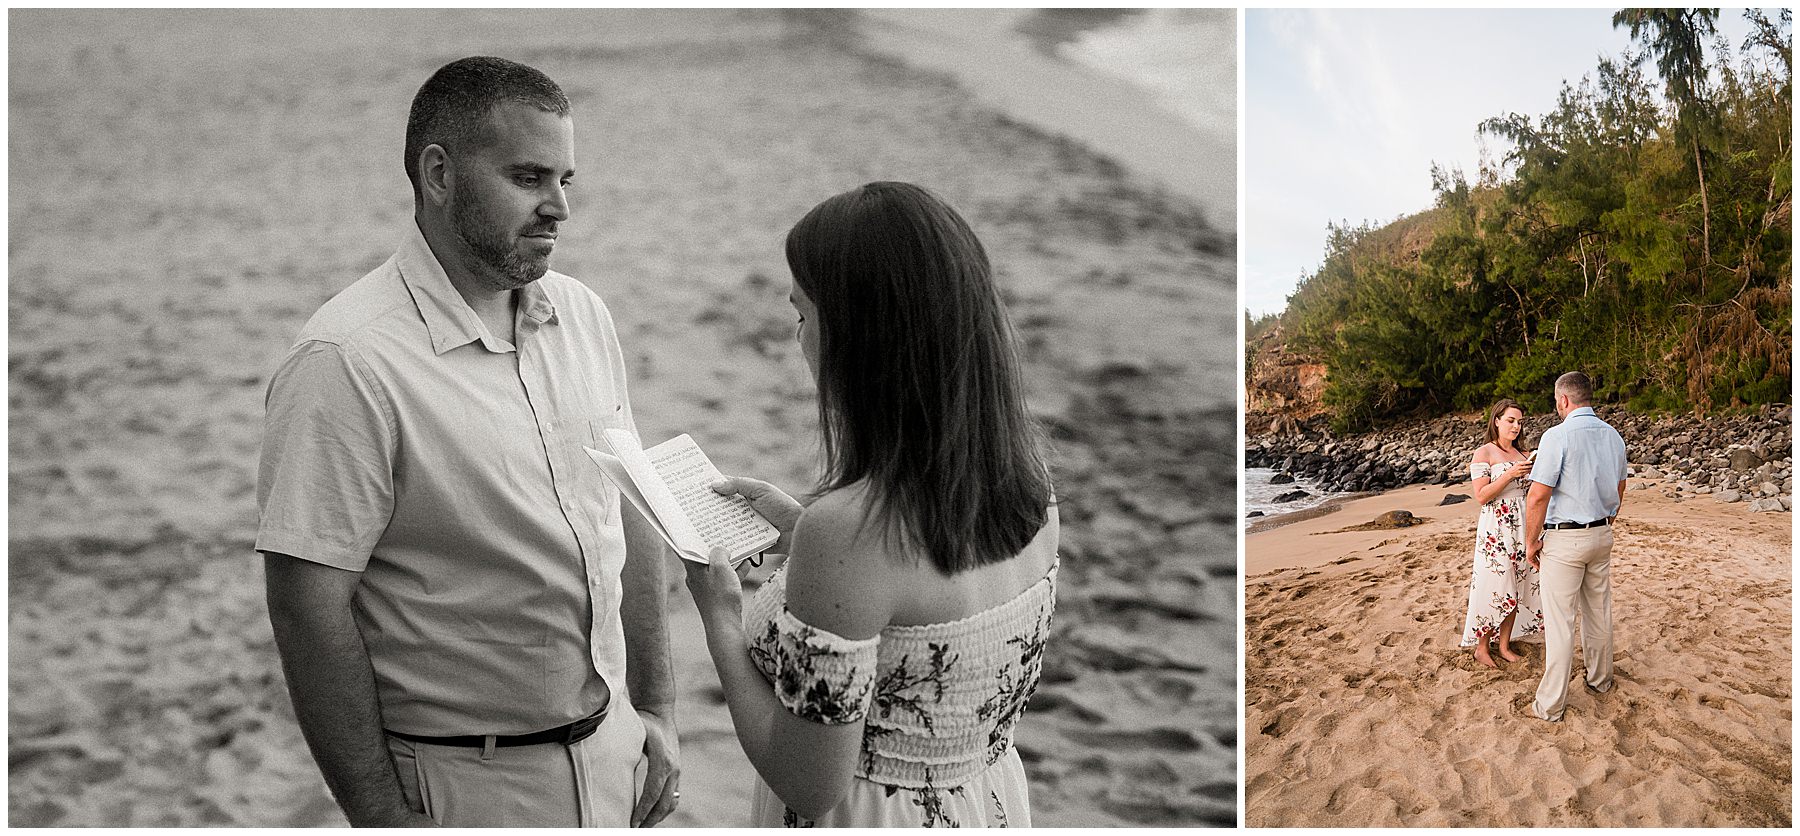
[670, 485]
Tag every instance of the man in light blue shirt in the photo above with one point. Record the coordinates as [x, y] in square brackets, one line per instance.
[474, 634]
[1578, 480]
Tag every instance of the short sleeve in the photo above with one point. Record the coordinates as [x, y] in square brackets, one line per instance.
[612, 356]
[818, 675]
[325, 486]
[1547, 467]
[615, 360]
[1480, 470]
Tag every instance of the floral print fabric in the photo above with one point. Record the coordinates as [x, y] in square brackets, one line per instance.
[818, 675]
[938, 704]
[1501, 582]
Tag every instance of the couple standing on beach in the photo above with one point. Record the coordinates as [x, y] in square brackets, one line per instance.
[1550, 544]
[473, 631]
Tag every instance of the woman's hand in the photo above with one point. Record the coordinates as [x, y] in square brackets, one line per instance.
[716, 588]
[1519, 471]
[779, 508]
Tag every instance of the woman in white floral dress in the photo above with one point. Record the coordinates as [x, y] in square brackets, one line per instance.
[1503, 588]
[875, 679]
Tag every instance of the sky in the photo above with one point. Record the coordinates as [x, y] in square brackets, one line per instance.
[1345, 112]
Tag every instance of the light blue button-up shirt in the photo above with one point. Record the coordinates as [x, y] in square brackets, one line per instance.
[1583, 459]
[405, 441]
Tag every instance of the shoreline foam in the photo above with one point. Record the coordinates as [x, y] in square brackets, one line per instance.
[1015, 74]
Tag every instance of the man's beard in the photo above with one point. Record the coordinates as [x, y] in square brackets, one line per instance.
[493, 249]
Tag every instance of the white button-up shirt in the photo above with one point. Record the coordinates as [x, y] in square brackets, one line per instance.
[404, 441]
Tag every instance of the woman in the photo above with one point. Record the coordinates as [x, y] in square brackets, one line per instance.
[1503, 584]
[875, 678]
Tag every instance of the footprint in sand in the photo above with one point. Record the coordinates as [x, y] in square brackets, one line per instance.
[1048, 700]
[1175, 689]
[1718, 703]
[1162, 739]
[1155, 773]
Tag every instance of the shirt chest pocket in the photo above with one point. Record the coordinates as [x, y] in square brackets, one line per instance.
[584, 490]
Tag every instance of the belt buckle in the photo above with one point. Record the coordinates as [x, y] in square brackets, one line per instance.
[583, 729]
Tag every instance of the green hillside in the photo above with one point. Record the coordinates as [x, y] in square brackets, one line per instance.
[1641, 232]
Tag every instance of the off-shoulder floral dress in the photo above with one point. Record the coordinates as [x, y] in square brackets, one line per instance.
[938, 704]
[1502, 581]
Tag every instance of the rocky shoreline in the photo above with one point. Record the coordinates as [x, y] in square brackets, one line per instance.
[1744, 458]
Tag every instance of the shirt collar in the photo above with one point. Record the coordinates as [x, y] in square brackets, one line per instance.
[449, 320]
[1581, 410]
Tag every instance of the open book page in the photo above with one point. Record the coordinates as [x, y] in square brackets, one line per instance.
[719, 520]
[669, 485]
[615, 469]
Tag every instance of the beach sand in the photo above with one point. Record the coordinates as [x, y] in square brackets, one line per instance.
[187, 187]
[1363, 711]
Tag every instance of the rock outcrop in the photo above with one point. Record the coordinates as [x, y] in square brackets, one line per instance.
[1738, 458]
[1283, 388]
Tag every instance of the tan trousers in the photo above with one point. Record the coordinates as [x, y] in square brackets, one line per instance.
[1576, 575]
[594, 783]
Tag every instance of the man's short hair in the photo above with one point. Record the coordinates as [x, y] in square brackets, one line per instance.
[1576, 387]
[451, 108]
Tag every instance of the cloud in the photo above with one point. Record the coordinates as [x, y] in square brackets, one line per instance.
[1348, 110]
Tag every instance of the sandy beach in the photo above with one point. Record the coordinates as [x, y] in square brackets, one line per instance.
[187, 187]
[1362, 711]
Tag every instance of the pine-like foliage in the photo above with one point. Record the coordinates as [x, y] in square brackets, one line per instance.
[1640, 232]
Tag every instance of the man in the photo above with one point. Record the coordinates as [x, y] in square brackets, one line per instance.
[472, 632]
[1578, 481]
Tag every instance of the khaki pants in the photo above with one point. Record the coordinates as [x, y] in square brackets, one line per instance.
[1576, 575]
[594, 783]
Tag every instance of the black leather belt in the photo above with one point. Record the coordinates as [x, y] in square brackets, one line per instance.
[1567, 526]
[568, 735]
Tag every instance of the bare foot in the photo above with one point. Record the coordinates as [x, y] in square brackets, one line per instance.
[1481, 655]
[1507, 654]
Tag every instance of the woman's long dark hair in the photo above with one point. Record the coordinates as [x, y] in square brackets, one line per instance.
[919, 388]
[1498, 409]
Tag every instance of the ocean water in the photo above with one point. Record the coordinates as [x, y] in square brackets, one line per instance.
[1185, 58]
[1259, 495]
[1153, 89]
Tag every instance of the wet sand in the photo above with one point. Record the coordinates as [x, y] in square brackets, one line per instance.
[1363, 711]
[188, 187]
[1006, 59]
